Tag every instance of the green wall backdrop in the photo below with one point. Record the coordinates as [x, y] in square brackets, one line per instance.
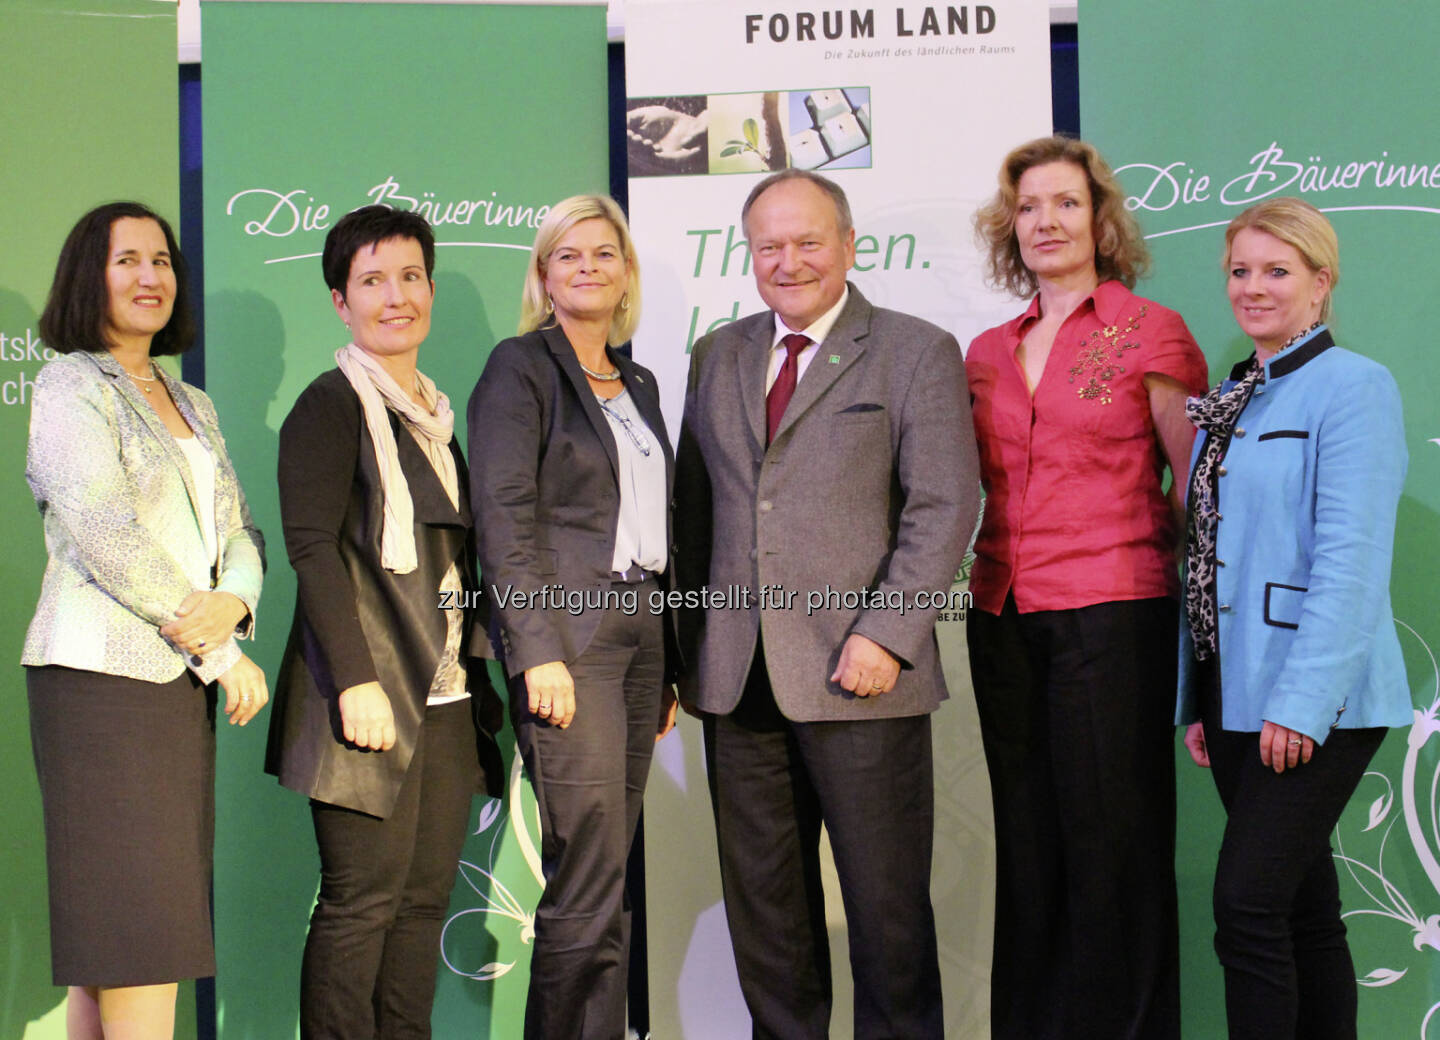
[479, 116]
[89, 115]
[1204, 108]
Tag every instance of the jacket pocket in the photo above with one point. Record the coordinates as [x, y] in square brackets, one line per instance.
[1283, 604]
[1271, 435]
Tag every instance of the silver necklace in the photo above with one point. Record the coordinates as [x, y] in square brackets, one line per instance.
[604, 377]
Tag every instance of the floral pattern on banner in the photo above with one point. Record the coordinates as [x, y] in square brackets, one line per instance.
[1380, 881]
[495, 899]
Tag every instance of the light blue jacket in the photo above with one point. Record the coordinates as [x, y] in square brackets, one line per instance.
[122, 527]
[1308, 493]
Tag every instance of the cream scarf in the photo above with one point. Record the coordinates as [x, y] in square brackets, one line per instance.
[435, 423]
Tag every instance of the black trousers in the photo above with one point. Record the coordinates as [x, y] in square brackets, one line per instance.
[374, 945]
[1278, 932]
[773, 783]
[589, 782]
[1076, 710]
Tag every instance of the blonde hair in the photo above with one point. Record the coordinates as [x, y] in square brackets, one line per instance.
[535, 308]
[1120, 252]
[1299, 224]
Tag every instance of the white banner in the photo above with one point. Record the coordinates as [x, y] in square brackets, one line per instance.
[910, 109]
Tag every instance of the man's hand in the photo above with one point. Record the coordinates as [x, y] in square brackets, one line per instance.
[866, 668]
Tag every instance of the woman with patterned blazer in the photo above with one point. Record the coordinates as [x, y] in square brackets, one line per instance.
[154, 571]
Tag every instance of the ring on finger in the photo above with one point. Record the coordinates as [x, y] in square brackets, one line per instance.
[1295, 741]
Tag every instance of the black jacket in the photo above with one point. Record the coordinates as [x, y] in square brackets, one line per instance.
[356, 622]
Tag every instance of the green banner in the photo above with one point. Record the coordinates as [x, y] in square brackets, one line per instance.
[479, 117]
[89, 116]
[1204, 109]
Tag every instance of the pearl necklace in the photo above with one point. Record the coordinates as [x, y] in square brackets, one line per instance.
[145, 379]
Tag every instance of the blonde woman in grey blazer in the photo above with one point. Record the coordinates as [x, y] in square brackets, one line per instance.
[154, 572]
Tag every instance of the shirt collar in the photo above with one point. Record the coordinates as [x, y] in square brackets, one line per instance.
[1291, 358]
[818, 329]
[1106, 299]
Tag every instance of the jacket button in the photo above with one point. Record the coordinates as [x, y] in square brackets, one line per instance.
[754, 554]
[1222, 471]
[766, 505]
[1219, 563]
[1239, 431]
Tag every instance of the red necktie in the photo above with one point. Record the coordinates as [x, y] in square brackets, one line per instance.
[784, 386]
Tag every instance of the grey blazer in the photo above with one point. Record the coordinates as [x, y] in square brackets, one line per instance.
[870, 486]
[121, 524]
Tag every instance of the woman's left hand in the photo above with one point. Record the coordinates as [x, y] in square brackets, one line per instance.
[204, 620]
[668, 701]
[1282, 748]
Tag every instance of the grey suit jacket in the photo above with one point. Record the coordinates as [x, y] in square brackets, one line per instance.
[871, 488]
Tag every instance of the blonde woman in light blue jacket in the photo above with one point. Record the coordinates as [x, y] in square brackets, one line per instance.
[154, 573]
[1289, 657]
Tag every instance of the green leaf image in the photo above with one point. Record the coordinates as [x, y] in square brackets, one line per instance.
[752, 132]
[734, 148]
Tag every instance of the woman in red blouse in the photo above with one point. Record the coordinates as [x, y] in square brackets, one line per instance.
[1079, 409]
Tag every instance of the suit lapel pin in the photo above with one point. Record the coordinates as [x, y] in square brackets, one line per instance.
[834, 359]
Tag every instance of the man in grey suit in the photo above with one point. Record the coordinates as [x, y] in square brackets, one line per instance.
[826, 487]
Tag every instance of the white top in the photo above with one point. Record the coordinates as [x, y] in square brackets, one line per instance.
[640, 530]
[202, 472]
[817, 331]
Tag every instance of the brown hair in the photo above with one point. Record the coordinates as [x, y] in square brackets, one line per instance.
[1120, 252]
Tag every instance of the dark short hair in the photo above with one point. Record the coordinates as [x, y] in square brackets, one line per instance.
[825, 184]
[77, 311]
[368, 226]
